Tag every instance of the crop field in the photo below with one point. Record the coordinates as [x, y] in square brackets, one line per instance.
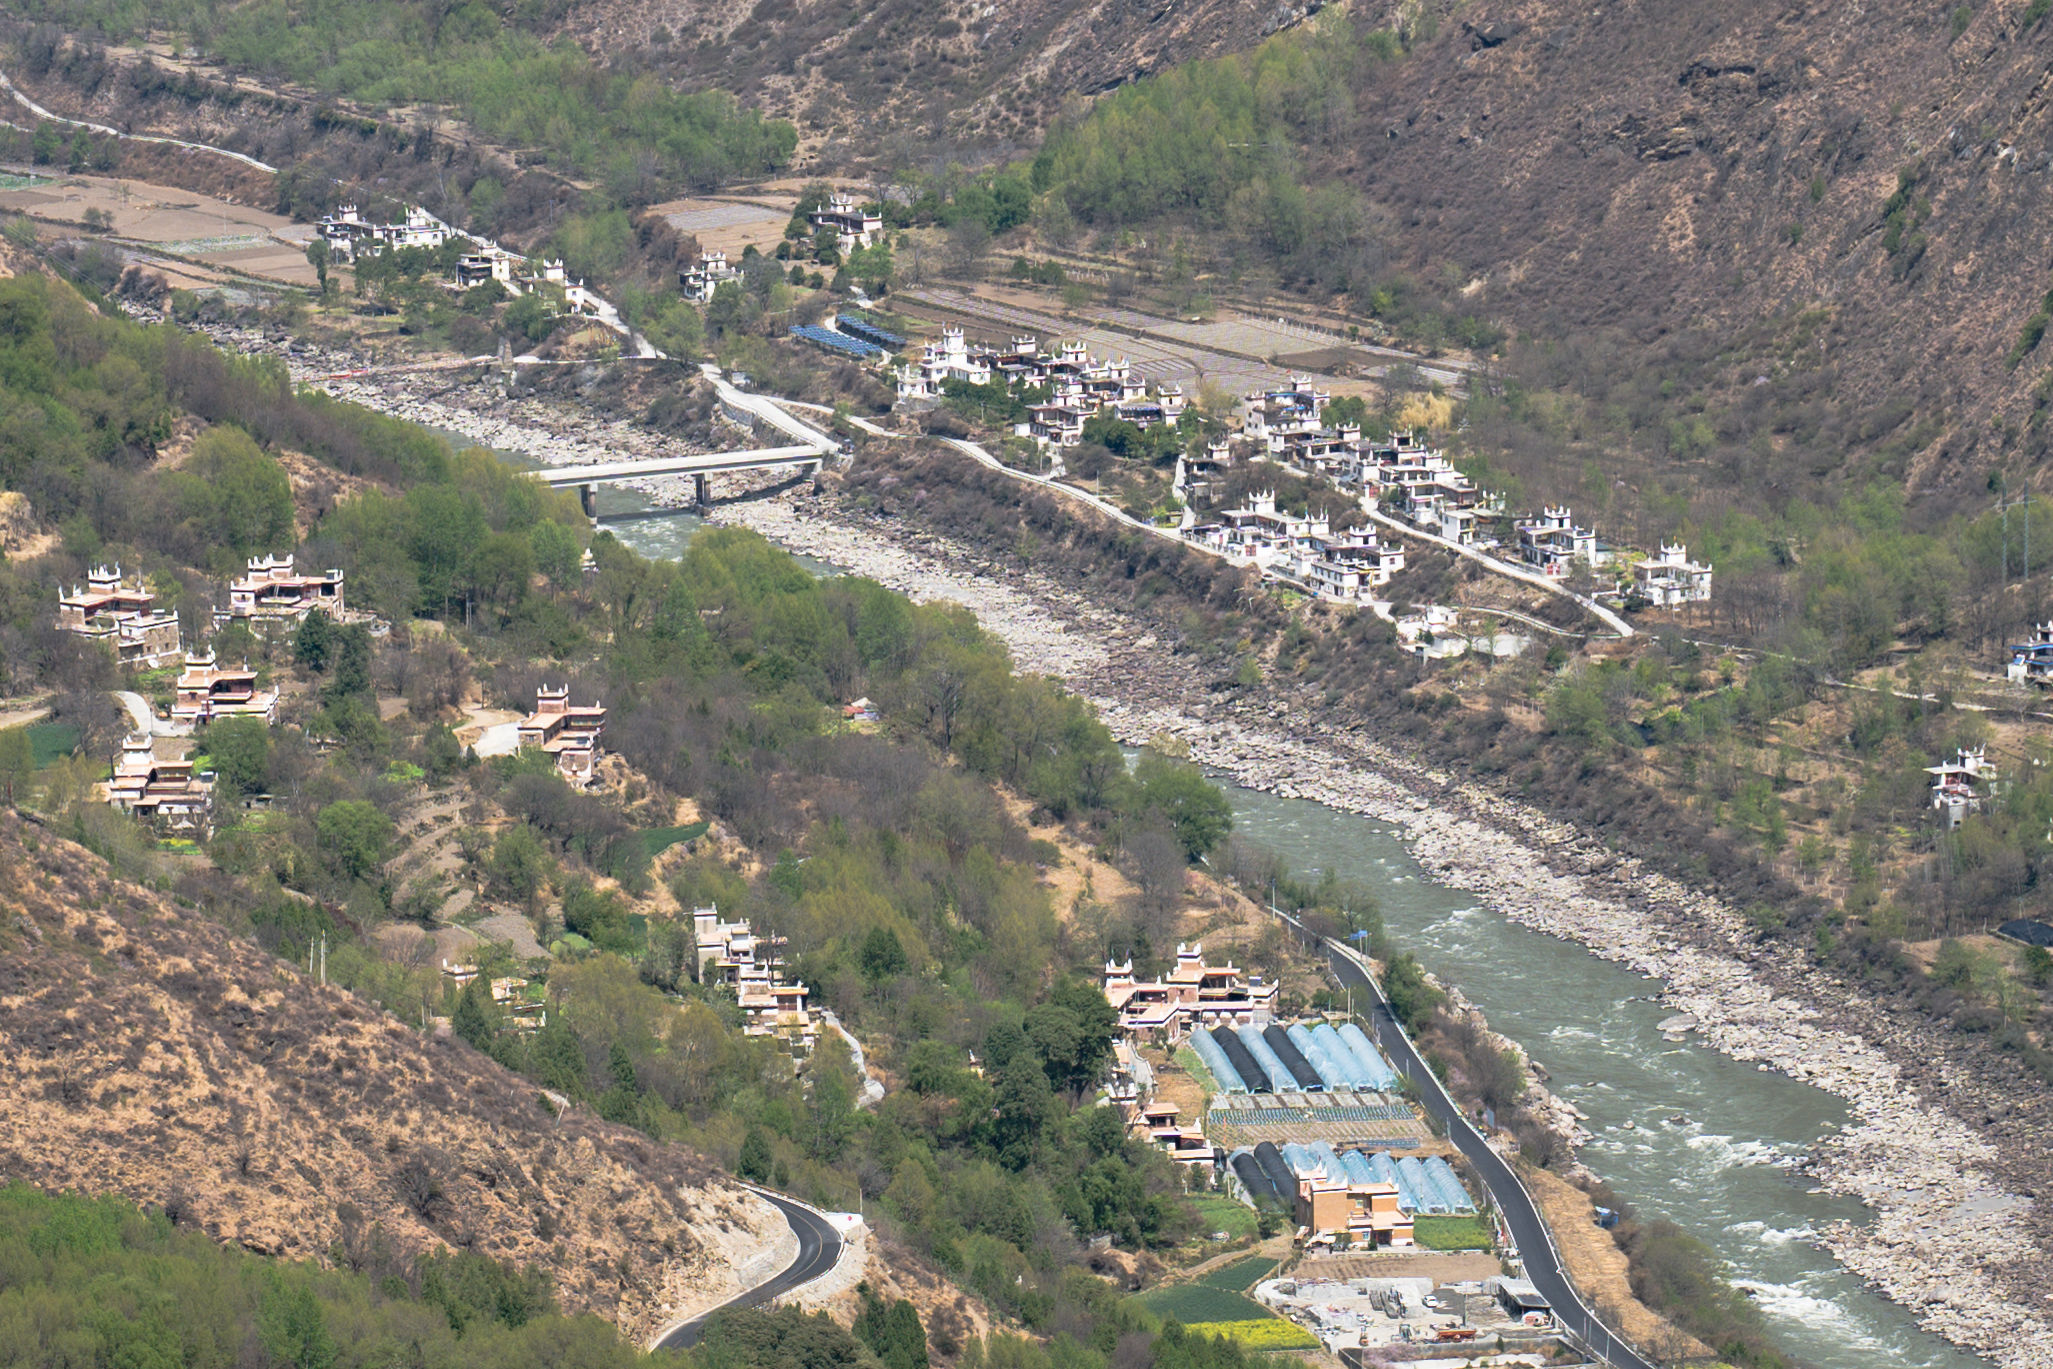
[1451, 1233]
[1194, 1304]
[1187, 1060]
[730, 226]
[1224, 1214]
[204, 231]
[1238, 1276]
[1263, 1333]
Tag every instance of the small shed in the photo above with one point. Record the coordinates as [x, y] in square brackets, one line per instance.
[1518, 1297]
[2029, 931]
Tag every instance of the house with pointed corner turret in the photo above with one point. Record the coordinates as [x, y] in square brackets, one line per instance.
[123, 616]
[272, 592]
[568, 732]
[1193, 994]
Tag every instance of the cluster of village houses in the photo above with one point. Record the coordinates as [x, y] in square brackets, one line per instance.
[1351, 1197]
[730, 954]
[751, 964]
[351, 237]
[1288, 426]
[123, 615]
[852, 225]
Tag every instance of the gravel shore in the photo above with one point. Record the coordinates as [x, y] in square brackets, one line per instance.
[1944, 1219]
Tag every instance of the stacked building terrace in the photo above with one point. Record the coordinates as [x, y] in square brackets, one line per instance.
[122, 615]
[734, 954]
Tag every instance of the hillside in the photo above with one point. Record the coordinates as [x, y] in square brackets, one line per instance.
[1826, 225]
[145, 1051]
[970, 74]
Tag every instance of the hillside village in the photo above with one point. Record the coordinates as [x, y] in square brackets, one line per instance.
[634, 836]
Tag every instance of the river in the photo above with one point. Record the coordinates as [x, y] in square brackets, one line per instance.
[1723, 1173]
[662, 534]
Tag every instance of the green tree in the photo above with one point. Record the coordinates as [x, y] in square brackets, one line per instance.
[317, 257]
[556, 552]
[475, 1017]
[314, 642]
[231, 494]
[756, 1157]
[349, 665]
[1195, 807]
[1411, 997]
[1072, 1034]
[891, 1330]
[293, 1327]
[17, 758]
[47, 144]
[882, 956]
[559, 1057]
[241, 748]
[354, 836]
[531, 318]
[521, 863]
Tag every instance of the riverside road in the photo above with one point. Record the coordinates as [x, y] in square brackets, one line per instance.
[1521, 1215]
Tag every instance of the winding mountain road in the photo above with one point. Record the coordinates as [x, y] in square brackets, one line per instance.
[21, 98]
[819, 1249]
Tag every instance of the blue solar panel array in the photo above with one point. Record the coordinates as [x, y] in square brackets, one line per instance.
[836, 342]
[855, 325]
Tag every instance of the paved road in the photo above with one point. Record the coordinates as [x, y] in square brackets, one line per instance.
[819, 1247]
[145, 722]
[1505, 568]
[1516, 1206]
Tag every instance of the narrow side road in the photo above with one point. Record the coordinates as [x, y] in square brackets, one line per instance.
[819, 1248]
[41, 113]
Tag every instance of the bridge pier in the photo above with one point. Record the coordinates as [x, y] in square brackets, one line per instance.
[588, 495]
[815, 470]
[702, 490]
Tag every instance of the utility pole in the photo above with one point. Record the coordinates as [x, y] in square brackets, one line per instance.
[324, 960]
[2004, 504]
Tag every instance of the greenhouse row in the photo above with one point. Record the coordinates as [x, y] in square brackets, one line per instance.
[1292, 1059]
[1269, 1173]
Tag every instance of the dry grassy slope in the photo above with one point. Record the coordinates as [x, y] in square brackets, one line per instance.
[144, 1050]
[1641, 163]
[948, 68]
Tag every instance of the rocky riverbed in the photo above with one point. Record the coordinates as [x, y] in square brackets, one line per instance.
[1945, 1221]
[1950, 1208]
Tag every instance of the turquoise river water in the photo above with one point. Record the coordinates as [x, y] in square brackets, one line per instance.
[1723, 1172]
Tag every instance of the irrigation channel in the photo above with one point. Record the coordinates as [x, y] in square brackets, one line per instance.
[1724, 1171]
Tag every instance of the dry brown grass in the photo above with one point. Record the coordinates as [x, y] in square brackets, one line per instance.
[1596, 1263]
[146, 1051]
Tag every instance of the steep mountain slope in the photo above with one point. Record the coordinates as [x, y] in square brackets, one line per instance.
[145, 1051]
[1845, 203]
[942, 68]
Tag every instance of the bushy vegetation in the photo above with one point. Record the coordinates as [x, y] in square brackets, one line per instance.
[97, 1281]
[889, 858]
[1231, 141]
[633, 133]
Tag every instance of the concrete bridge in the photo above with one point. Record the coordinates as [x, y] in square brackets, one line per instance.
[587, 478]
